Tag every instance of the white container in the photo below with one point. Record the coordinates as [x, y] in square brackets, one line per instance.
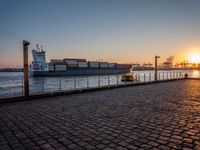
[103, 64]
[56, 60]
[82, 64]
[50, 67]
[93, 64]
[111, 65]
[60, 67]
[71, 62]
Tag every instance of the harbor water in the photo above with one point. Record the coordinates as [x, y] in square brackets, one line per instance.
[11, 83]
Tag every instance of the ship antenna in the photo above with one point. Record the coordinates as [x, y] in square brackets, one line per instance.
[37, 46]
[41, 47]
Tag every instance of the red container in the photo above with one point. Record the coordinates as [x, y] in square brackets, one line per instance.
[128, 66]
[72, 65]
[74, 59]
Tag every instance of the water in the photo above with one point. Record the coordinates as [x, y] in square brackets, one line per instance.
[11, 83]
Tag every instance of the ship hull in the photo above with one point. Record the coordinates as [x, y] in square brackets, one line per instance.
[79, 72]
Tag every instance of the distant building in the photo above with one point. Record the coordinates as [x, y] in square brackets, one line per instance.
[168, 64]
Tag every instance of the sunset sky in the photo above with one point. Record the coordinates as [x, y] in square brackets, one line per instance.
[112, 30]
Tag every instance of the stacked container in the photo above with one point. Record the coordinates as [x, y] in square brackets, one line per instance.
[93, 64]
[74, 59]
[103, 64]
[120, 66]
[112, 65]
[123, 66]
[56, 61]
[60, 66]
[71, 63]
[51, 67]
[128, 66]
[82, 64]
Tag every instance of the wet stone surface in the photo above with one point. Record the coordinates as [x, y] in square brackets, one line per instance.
[158, 116]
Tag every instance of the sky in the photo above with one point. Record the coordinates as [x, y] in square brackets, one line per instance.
[120, 31]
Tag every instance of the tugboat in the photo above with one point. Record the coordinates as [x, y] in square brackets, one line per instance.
[128, 77]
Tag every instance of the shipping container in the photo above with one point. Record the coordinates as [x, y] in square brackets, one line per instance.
[71, 62]
[124, 66]
[82, 64]
[120, 66]
[81, 60]
[60, 67]
[103, 64]
[93, 64]
[112, 65]
[74, 59]
[72, 65]
[51, 67]
[128, 66]
[56, 60]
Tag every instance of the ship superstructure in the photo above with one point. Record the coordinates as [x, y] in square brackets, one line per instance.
[39, 60]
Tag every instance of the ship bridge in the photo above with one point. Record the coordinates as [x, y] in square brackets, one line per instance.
[39, 59]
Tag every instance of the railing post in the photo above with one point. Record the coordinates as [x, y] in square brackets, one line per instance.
[159, 76]
[99, 80]
[22, 86]
[149, 77]
[167, 75]
[163, 76]
[87, 82]
[144, 77]
[74, 82]
[60, 84]
[108, 80]
[139, 77]
[42, 85]
[117, 79]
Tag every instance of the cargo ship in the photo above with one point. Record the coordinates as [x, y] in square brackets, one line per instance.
[72, 66]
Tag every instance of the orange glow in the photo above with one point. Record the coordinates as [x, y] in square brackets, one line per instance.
[194, 58]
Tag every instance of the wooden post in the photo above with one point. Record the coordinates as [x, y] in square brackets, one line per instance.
[26, 70]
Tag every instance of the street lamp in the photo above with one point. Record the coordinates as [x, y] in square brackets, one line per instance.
[156, 66]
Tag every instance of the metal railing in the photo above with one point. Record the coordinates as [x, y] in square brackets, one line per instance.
[54, 84]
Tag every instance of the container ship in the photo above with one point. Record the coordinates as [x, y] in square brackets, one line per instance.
[72, 66]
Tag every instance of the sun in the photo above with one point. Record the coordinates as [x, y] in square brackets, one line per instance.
[194, 58]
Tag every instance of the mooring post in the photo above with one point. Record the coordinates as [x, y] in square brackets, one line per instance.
[26, 77]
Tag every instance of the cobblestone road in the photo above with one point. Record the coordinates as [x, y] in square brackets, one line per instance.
[158, 116]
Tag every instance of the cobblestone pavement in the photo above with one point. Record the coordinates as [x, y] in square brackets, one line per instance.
[157, 116]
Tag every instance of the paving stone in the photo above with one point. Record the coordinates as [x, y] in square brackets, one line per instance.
[100, 146]
[132, 147]
[163, 147]
[155, 116]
